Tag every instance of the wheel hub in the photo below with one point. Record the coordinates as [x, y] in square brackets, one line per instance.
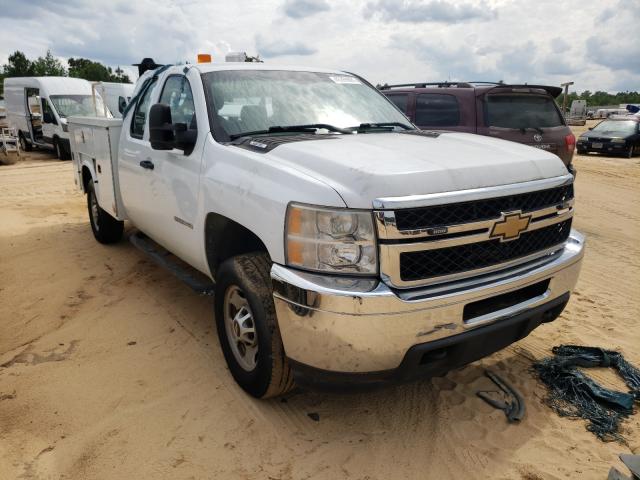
[240, 328]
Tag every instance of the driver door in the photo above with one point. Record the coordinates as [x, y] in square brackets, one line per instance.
[176, 176]
[49, 122]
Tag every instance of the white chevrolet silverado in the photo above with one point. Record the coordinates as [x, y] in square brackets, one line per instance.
[347, 247]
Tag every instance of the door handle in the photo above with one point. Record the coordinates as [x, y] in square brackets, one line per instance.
[147, 164]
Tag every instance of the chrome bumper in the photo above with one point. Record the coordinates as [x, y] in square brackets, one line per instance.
[355, 326]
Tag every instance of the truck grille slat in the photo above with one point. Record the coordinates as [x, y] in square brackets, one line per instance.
[466, 212]
[471, 256]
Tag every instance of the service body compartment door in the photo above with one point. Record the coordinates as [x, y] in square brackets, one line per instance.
[94, 143]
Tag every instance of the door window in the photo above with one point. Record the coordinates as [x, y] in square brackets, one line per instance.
[401, 101]
[140, 114]
[437, 110]
[47, 112]
[177, 94]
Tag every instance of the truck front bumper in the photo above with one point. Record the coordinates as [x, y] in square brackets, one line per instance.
[342, 332]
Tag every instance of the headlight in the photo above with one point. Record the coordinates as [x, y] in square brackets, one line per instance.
[618, 140]
[330, 240]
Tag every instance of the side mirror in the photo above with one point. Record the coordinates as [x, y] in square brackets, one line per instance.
[122, 104]
[185, 138]
[160, 127]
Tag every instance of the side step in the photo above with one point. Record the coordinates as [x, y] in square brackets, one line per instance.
[199, 282]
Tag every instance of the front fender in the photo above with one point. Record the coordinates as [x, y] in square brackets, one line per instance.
[254, 189]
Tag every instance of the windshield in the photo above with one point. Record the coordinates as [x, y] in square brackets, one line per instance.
[522, 111]
[617, 128]
[254, 100]
[69, 105]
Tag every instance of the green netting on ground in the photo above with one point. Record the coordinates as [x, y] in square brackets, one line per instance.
[574, 394]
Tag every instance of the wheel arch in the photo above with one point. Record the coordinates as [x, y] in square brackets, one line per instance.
[226, 238]
[87, 176]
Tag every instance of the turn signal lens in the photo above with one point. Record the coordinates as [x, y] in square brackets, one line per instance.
[204, 58]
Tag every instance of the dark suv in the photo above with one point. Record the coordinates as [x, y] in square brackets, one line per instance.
[521, 113]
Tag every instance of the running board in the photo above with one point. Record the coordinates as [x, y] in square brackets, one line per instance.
[198, 281]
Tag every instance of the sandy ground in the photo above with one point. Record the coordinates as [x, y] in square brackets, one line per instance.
[110, 367]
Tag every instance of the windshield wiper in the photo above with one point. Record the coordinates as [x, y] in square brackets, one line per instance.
[310, 128]
[388, 126]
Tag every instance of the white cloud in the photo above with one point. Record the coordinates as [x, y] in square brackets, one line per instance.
[282, 48]
[386, 41]
[304, 8]
[413, 11]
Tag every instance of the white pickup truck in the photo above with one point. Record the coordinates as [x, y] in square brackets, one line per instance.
[348, 248]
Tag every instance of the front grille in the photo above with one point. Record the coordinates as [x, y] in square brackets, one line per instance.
[465, 212]
[472, 256]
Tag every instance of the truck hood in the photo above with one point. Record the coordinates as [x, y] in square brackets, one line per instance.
[364, 167]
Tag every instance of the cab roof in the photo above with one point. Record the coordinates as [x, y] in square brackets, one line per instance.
[214, 67]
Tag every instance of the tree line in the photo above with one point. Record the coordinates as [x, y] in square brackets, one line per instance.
[600, 98]
[19, 65]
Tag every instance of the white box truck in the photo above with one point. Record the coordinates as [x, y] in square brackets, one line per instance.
[38, 108]
[348, 248]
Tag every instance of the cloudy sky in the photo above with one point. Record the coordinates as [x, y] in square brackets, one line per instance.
[592, 42]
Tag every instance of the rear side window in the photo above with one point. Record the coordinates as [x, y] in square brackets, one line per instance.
[401, 101]
[140, 113]
[437, 110]
[522, 111]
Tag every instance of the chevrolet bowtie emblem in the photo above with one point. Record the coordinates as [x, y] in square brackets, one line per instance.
[510, 226]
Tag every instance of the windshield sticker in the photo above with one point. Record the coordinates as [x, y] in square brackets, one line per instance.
[345, 79]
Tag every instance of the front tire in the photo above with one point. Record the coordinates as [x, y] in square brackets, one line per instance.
[24, 145]
[629, 153]
[57, 148]
[248, 327]
[106, 229]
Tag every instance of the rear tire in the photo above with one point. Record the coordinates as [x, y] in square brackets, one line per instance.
[24, 144]
[248, 327]
[106, 229]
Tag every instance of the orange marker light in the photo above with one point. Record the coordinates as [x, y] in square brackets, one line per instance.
[294, 252]
[295, 221]
[204, 58]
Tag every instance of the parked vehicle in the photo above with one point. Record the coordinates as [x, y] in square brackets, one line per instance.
[348, 247]
[115, 96]
[577, 113]
[616, 135]
[520, 113]
[38, 107]
[607, 112]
